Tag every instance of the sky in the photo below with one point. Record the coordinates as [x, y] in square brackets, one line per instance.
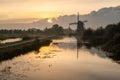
[15, 9]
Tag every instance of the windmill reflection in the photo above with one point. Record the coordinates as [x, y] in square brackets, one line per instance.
[114, 57]
[79, 45]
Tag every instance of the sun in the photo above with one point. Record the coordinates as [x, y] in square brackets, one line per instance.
[49, 20]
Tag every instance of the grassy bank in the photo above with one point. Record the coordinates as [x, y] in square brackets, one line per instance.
[11, 52]
[108, 38]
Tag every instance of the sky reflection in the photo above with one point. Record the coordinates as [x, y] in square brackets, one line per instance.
[60, 61]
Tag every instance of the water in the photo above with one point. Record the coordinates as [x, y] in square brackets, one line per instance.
[64, 59]
[10, 40]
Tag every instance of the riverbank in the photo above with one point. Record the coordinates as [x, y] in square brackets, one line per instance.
[108, 38]
[19, 49]
[108, 46]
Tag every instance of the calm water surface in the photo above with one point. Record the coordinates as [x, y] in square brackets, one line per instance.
[63, 59]
[10, 40]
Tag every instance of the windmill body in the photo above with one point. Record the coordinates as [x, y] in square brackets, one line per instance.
[80, 26]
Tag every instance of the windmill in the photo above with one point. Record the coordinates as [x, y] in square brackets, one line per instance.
[80, 25]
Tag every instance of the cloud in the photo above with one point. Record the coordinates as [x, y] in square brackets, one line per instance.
[11, 1]
[55, 5]
[3, 16]
[102, 17]
[23, 20]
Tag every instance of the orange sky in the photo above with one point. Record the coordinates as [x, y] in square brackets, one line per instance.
[12, 9]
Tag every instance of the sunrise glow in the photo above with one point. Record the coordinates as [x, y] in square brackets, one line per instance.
[12, 9]
[50, 20]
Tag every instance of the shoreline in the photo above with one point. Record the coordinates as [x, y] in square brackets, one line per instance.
[19, 49]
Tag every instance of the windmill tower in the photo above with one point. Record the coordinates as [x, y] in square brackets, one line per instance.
[80, 26]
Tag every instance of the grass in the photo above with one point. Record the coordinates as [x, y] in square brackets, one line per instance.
[11, 52]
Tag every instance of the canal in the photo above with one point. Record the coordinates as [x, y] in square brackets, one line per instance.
[63, 59]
